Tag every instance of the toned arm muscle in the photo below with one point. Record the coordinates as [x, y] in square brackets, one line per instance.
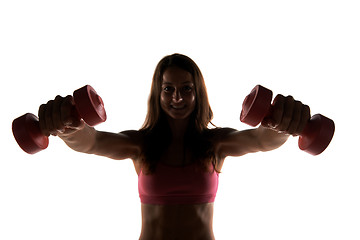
[237, 143]
[117, 146]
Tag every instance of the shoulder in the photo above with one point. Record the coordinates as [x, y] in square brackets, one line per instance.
[118, 146]
[218, 134]
[135, 135]
[231, 142]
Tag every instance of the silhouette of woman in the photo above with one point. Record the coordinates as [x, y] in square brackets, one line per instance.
[176, 155]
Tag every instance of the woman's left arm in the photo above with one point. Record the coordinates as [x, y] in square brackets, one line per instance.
[287, 117]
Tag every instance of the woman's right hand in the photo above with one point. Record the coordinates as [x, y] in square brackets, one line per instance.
[59, 117]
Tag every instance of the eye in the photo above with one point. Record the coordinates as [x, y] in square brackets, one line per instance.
[167, 89]
[187, 89]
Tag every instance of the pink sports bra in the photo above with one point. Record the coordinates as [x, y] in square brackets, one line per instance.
[177, 185]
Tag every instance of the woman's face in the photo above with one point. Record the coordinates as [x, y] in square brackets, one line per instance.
[177, 98]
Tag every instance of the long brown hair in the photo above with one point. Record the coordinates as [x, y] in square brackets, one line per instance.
[156, 129]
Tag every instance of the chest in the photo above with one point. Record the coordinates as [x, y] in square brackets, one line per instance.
[176, 155]
[178, 185]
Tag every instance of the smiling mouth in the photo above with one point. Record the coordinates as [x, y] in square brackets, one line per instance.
[178, 107]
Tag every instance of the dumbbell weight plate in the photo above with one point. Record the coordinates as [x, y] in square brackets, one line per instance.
[89, 105]
[317, 134]
[28, 135]
[256, 106]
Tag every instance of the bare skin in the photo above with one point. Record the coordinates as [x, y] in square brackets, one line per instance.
[289, 117]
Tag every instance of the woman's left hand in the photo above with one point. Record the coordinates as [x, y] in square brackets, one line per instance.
[287, 116]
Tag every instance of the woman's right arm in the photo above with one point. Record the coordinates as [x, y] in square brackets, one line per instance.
[58, 117]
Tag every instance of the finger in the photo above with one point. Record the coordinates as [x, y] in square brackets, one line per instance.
[42, 122]
[305, 117]
[76, 119]
[49, 117]
[296, 117]
[69, 113]
[277, 111]
[56, 114]
[287, 114]
[65, 109]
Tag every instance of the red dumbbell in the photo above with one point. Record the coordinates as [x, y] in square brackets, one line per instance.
[26, 129]
[318, 131]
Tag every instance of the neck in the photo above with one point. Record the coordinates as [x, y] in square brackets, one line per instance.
[178, 129]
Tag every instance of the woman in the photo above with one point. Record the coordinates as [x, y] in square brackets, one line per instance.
[176, 156]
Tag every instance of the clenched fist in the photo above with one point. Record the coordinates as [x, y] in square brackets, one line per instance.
[59, 116]
[287, 115]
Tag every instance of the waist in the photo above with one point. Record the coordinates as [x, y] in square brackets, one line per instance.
[182, 221]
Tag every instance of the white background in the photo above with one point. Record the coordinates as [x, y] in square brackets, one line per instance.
[308, 49]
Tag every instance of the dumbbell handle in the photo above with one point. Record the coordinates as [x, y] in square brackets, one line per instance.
[318, 131]
[26, 129]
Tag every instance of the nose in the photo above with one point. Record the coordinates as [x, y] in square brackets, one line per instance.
[176, 97]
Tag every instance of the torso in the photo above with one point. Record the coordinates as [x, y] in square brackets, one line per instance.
[177, 221]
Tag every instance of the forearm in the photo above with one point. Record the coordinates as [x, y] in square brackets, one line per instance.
[270, 139]
[81, 140]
